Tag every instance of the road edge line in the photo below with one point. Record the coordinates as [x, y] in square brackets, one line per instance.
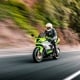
[72, 76]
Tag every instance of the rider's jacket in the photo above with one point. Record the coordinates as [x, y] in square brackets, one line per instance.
[52, 34]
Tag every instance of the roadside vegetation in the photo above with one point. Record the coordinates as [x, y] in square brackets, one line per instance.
[63, 14]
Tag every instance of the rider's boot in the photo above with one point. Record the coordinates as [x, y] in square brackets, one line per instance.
[55, 49]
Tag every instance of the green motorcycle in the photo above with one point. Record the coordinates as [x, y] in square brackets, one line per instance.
[44, 49]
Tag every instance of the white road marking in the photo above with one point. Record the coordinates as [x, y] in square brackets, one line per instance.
[73, 75]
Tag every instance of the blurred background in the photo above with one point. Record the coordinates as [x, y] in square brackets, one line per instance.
[21, 18]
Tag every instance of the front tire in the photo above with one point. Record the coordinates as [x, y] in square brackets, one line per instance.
[37, 56]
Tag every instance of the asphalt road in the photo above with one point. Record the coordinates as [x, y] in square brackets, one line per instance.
[23, 68]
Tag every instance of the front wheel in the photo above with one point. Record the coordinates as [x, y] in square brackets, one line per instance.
[37, 56]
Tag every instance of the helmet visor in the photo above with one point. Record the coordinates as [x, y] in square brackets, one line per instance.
[48, 28]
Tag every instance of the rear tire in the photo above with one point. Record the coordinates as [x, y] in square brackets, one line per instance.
[37, 56]
[54, 56]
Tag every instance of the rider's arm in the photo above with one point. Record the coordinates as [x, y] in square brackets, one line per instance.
[55, 34]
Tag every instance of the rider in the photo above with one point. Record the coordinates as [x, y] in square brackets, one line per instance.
[52, 34]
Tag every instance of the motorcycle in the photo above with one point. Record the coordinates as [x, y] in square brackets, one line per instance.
[44, 49]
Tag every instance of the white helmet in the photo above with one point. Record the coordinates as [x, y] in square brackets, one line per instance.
[49, 26]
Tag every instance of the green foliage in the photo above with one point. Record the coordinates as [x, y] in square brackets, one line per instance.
[75, 15]
[62, 13]
[9, 11]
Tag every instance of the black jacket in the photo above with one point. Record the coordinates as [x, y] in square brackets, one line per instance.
[52, 34]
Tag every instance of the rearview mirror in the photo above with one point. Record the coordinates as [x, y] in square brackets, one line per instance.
[32, 35]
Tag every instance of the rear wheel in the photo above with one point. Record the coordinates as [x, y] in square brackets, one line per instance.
[37, 56]
[56, 56]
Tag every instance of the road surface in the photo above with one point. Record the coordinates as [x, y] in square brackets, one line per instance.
[22, 67]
